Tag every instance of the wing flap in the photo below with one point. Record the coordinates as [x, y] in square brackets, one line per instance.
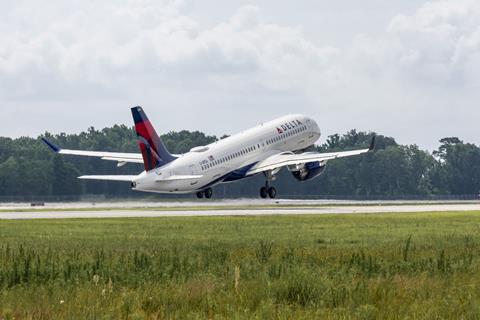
[123, 160]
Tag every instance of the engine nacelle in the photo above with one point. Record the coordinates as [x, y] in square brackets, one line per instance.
[309, 171]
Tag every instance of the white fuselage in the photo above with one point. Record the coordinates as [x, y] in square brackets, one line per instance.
[230, 159]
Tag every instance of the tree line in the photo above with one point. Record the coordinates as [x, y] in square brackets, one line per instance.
[29, 168]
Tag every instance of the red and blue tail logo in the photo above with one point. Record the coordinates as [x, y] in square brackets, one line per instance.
[154, 152]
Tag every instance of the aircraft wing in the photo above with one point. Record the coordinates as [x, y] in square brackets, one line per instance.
[121, 158]
[288, 159]
[109, 178]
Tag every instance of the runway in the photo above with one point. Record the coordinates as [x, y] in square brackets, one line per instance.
[235, 209]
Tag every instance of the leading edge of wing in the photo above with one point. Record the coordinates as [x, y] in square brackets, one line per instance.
[109, 178]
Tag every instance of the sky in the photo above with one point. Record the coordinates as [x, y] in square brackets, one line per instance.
[403, 68]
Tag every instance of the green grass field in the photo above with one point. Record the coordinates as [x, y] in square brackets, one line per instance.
[423, 265]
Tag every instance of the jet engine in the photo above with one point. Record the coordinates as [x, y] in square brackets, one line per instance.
[308, 171]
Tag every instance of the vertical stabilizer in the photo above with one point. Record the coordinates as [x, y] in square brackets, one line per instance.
[153, 150]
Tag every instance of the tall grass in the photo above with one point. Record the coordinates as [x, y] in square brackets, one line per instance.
[351, 266]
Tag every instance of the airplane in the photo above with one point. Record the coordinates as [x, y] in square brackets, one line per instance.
[264, 149]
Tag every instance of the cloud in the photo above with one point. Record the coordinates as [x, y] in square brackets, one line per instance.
[106, 46]
[57, 57]
[438, 45]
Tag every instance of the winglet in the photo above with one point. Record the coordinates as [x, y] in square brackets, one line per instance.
[52, 146]
[372, 144]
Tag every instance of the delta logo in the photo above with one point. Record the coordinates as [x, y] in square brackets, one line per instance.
[289, 126]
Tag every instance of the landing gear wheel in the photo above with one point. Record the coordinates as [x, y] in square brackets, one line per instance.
[264, 192]
[200, 194]
[208, 193]
[272, 192]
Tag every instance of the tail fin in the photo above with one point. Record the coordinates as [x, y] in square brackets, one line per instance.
[153, 150]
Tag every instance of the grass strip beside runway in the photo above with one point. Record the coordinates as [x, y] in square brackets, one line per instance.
[417, 265]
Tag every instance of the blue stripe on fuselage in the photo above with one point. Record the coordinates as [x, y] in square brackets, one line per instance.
[234, 175]
[239, 173]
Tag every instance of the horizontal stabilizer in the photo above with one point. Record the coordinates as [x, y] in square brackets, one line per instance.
[179, 178]
[109, 178]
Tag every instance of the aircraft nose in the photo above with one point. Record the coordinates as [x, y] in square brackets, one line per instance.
[316, 128]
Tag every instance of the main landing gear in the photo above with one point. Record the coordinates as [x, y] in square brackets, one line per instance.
[268, 191]
[208, 193]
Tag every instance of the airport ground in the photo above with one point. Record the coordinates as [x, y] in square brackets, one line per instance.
[351, 265]
[238, 207]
